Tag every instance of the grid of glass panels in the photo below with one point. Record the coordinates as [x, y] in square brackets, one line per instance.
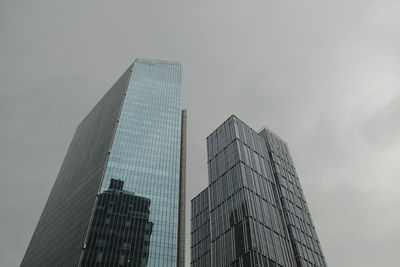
[249, 219]
[200, 246]
[60, 234]
[302, 232]
[110, 238]
[145, 154]
[246, 226]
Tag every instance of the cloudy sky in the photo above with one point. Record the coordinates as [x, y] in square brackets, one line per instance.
[324, 75]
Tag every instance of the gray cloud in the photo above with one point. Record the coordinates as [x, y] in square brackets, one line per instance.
[323, 75]
[383, 127]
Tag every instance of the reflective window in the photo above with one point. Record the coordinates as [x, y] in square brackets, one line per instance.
[145, 157]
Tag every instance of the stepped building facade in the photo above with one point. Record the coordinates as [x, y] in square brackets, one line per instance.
[253, 213]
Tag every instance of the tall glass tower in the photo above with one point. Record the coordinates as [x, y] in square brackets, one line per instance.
[119, 198]
[253, 213]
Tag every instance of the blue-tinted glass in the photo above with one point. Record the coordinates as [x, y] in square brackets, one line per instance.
[145, 155]
[116, 199]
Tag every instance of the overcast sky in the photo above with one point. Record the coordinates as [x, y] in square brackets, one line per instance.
[324, 75]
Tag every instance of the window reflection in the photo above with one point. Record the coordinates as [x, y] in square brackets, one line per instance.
[121, 229]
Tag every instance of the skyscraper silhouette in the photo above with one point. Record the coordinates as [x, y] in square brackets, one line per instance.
[118, 199]
[253, 213]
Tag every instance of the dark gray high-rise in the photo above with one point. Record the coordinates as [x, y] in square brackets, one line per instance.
[118, 199]
[253, 213]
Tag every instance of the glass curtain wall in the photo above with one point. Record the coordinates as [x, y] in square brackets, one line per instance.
[145, 157]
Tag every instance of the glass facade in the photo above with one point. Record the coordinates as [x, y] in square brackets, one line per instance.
[119, 218]
[247, 215]
[200, 245]
[303, 237]
[60, 233]
[131, 207]
[146, 153]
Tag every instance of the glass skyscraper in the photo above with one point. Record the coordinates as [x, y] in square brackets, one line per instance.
[119, 198]
[253, 213]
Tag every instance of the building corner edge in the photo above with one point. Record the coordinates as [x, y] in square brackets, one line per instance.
[182, 195]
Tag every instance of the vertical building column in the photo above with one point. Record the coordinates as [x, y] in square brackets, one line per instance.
[182, 196]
